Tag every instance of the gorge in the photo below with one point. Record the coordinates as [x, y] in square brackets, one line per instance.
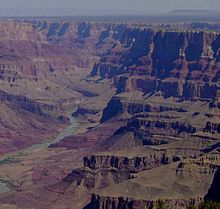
[109, 115]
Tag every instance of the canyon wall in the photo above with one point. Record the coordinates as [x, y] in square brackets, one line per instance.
[175, 63]
[100, 202]
[158, 87]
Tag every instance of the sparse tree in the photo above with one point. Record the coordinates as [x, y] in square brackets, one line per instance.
[209, 205]
[160, 204]
[192, 207]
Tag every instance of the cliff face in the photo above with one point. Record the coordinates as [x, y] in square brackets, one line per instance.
[27, 54]
[212, 127]
[167, 92]
[172, 127]
[214, 191]
[41, 64]
[34, 49]
[140, 192]
[147, 117]
[113, 108]
[165, 110]
[180, 64]
[99, 202]
[80, 35]
[135, 164]
[95, 179]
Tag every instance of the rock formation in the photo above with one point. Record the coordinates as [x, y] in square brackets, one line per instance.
[148, 99]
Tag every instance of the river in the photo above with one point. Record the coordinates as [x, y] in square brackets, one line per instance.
[4, 188]
[69, 130]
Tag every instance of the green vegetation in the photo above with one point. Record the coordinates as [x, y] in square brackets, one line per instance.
[159, 205]
[209, 205]
[206, 205]
[192, 207]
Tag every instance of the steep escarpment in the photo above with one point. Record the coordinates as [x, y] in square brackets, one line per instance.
[112, 202]
[160, 114]
[162, 125]
[212, 127]
[156, 115]
[150, 101]
[27, 54]
[42, 71]
[31, 49]
[175, 63]
[101, 171]
[135, 164]
[154, 188]
[213, 193]
[92, 36]
[95, 179]
[166, 101]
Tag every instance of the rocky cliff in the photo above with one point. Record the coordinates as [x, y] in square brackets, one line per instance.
[167, 92]
[135, 164]
[213, 193]
[99, 202]
[150, 93]
[167, 95]
[41, 66]
[136, 194]
[176, 63]
[158, 116]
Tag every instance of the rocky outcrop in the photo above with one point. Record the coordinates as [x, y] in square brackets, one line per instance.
[129, 194]
[214, 104]
[114, 108]
[100, 202]
[119, 105]
[95, 179]
[212, 127]
[26, 103]
[177, 63]
[32, 49]
[144, 126]
[175, 126]
[145, 119]
[214, 191]
[147, 125]
[135, 164]
[134, 107]
[83, 34]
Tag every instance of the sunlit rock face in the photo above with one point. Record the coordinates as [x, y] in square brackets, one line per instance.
[147, 99]
[177, 63]
[41, 62]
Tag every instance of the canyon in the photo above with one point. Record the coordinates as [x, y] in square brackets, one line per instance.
[106, 115]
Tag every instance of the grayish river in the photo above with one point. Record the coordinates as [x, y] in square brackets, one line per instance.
[69, 130]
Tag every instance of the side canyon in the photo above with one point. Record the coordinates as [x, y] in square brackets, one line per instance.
[109, 115]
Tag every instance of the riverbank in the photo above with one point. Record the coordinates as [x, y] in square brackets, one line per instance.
[75, 126]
